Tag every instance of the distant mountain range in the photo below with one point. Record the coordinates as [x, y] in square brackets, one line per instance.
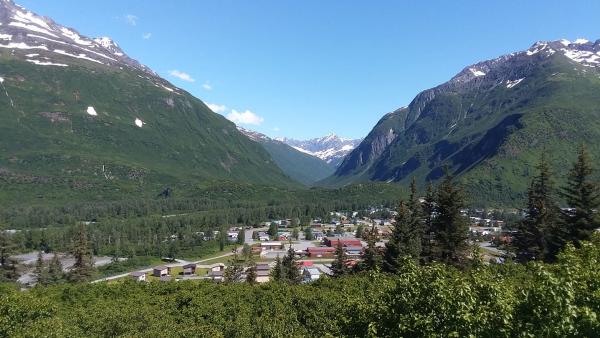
[80, 120]
[331, 148]
[298, 165]
[489, 124]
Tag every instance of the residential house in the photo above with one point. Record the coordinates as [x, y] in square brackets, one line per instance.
[268, 246]
[160, 271]
[263, 272]
[217, 267]
[189, 269]
[216, 275]
[319, 252]
[263, 236]
[318, 236]
[310, 274]
[138, 276]
[333, 241]
[353, 251]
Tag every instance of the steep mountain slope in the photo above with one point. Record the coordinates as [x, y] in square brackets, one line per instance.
[489, 123]
[298, 165]
[331, 148]
[80, 119]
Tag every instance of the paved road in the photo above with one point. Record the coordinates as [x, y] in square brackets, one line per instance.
[178, 262]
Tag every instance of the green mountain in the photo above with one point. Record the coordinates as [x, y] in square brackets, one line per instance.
[489, 124]
[300, 166]
[81, 120]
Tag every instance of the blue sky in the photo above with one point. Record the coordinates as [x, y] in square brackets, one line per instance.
[304, 69]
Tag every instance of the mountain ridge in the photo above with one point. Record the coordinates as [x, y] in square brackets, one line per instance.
[490, 115]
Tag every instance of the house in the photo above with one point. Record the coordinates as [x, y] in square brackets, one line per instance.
[318, 236]
[268, 246]
[160, 271]
[353, 251]
[216, 275]
[217, 267]
[189, 269]
[310, 274]
[166, 278]
[232, 236]
[263, 276]
[138, 276]
[263, 272]
[263, 236]
[333, 241]
[320, 252]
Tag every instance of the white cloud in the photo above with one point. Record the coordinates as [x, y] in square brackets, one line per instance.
[147, 36]
[181, 75]
[131, 19]
[246, 117]
[217, 108]
[276, 129]
[207, 86]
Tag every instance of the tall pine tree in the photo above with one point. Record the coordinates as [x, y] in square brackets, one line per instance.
[83, 268]
[428, 235]
[540, 235]
[582, 195]
[338, 266]
[451, 228]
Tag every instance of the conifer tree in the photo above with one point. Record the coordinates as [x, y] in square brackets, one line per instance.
[40, 271]
[370, 257]
[582, 195]
[291, 273]
[428, 232]
[277, 273]
[55, 271]
[540, 235]
[83, 268]
[251, 274]
[338, 266]
[234, 271]
[451, 228]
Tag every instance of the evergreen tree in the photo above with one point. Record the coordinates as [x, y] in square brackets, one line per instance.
[407, 235]
[83, 268]
[540, 235]
[40, 272]
[451, 227]
[338, 266]
[55, 271]
[295, 234]
[359, 231]
[370, 257]
[277, 274]
[428, 232]
[291, 273]
[582, 195]
[241, 237]
[234, 270]
[308, 234]
[251, 274]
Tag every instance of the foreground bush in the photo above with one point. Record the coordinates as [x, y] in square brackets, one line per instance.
[561, 299]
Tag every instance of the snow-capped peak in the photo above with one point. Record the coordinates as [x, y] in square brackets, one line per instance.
[105, 42]
[330, 148]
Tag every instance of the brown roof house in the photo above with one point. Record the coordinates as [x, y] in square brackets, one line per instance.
[138, 276]
[189, 269]
[160, 271]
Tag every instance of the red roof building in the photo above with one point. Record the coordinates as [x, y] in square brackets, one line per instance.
[320, 251]
[350, 242]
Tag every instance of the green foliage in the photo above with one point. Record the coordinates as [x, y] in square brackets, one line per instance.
[511, 300]
[338, 266]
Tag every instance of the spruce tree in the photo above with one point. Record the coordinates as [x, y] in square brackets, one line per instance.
[234, 271]
[251, 274]
[83, 268]
[277, 272]
[581, 194]
[56, 274]
[338, 266]
[428, 232]
[393, 248]
[40, 271]
[540, 235]
[370, 257]
[451, 228]
[291, 273]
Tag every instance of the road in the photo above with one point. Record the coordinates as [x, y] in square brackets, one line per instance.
[178, 262]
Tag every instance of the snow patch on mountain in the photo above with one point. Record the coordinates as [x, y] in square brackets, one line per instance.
[330, 148]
